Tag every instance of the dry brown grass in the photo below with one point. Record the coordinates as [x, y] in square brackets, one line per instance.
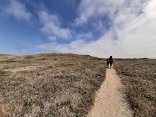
[57, 86]
[139, 77]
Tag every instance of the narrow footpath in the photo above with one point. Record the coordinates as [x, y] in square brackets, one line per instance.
[109, 101]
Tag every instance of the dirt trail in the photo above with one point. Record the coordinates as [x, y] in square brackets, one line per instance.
[109, 100]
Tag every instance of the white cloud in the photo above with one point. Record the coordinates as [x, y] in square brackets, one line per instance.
[131, 35]
[85, 36]
[73, 47]
[17, 9]
[89, 9]
[52, 26]
[136, 38]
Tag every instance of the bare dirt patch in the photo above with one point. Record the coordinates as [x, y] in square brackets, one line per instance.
[18, 69]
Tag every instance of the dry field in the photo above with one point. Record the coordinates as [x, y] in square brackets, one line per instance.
[139, 77]
[49, 85]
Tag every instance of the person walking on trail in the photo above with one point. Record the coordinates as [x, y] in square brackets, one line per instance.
[110, 61]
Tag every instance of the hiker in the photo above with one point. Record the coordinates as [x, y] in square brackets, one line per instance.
[110, 61]
[107, 63]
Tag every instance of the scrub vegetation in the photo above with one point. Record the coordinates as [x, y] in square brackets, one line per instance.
[49, 85]
[139, 78]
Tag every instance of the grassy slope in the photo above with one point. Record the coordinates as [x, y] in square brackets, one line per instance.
[54, 85]
[139, 77]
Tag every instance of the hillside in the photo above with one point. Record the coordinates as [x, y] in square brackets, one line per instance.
[49, 85]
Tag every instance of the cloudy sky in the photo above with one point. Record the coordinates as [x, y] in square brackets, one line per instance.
[121, 28]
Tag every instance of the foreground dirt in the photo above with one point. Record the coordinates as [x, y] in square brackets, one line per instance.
[109, 101]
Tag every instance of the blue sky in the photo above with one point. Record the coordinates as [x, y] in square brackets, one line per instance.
[123, 28]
